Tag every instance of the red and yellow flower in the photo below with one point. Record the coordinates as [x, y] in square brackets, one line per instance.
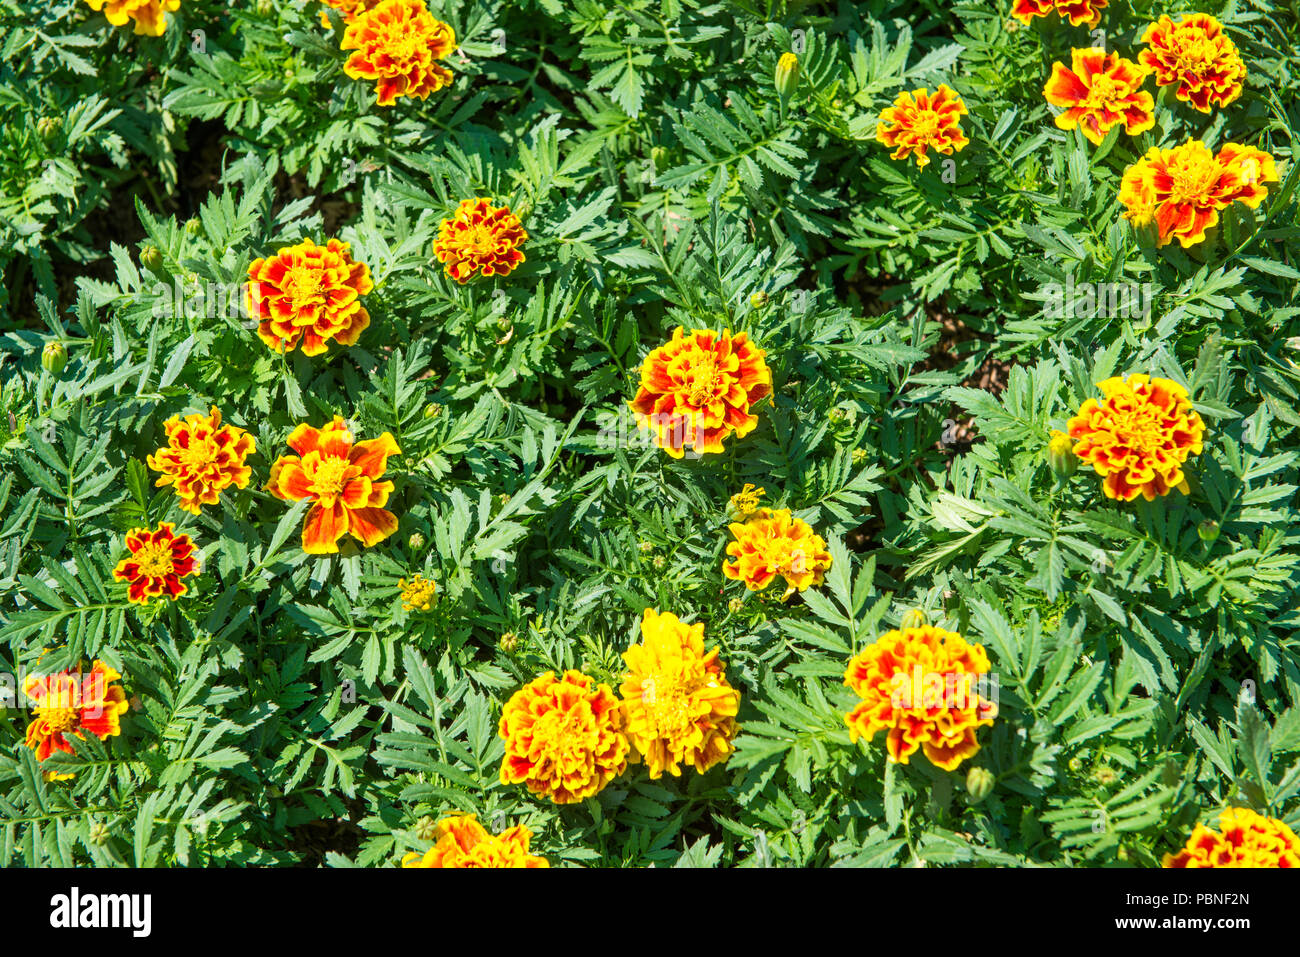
[564, 737]
[309, 293]
[1099, 91]
[480, 238]
[201, 458]
[1077, 12]
[1199, 56]
[922, 684]
[1183, 190]
[1138, 436]
[463, 842]
[349, 9]
[397, 44]
[341, 479]
[698, 388]
[680, 708]
[150, 16]
[158, 561]
[73, 704]
[773, 542]
[1244, 839]
[919, 121]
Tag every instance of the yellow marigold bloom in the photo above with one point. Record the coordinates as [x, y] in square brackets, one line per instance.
[417, 593]
[1077, 12]
[1183, 189]
[923, 685]
[745, 502]
[201, 458]
[149, 15]
[461, 841]
[1101, 90]
[1244, 839]
[67, 705]
[1139, 436]
[1197, 55]
[480, 238]
[774, 542]
[398, 44]
[349, 9]
[340, 476]
[309, 293]
[680, 709]
[918, 121]
[698, 388]
[564, 738]
[158, 561]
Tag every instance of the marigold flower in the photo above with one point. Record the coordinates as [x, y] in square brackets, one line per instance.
[417, 593]
[923, 684]
[774, 542]
[918, 121]
[1196, 54]
[1101, 90]
[349, 9]
[1138, 437]
[745, 502]
[149, 15]
[342, 481]
[480, 238]
[398, 44]
[680, 709]
[72, 704]
[201, 458]
[309, 293]
[1244, 839]
[564, 738]
[1078, 12]
[158, 561]
[699, 387]
[461, 841]
[1183, 189]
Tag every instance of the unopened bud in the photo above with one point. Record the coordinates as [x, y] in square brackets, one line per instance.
[193, 227]
[49, 126]
[151, 258]
[432, 410]
[979, 784]
[1060, 455]
[759, 299]
[426, 828]
[54, 357]
[509, 642]
[1208, 530]
[787, 75]
[913, 619]
[415, 542]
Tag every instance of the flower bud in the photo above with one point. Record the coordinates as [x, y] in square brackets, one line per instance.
[151, 258]
[99, 833]
[508, 642]
[432, 410]
[759, 299]
[979, 784]
[1060, 455]
[54, 357]
[415, 542]
[1208, 530]
[426, 828]
[659, 156]
[49, 126]
[736, 605]
[859, 456]
[787, 76]
[913, 619]
[193, 227]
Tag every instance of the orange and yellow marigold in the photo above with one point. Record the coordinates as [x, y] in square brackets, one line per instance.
[150, 16]
[462, 841]
[919, 121]
[1184, 189]
[773, 542]
[700, 387]
[1077, 12]
[311, 294]
[340, 477]
[480, 238]
[70, 704]
[922, 684]
[1244, 839]
[1098, 91]
[680, 708]
[1138, 436]
[158, 561]
[397, 44]
[564, 737]
[1197, 55]
[348, 9]
[201, 458]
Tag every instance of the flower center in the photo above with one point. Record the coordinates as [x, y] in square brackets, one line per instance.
[155, 560]
[1192, 176]
[199, 455]
[1139, 430]
[330, 477]
[704, 380]
[1104, 92]
[1196, 57]
[667, 707]
[302, 285]
[926, 125]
